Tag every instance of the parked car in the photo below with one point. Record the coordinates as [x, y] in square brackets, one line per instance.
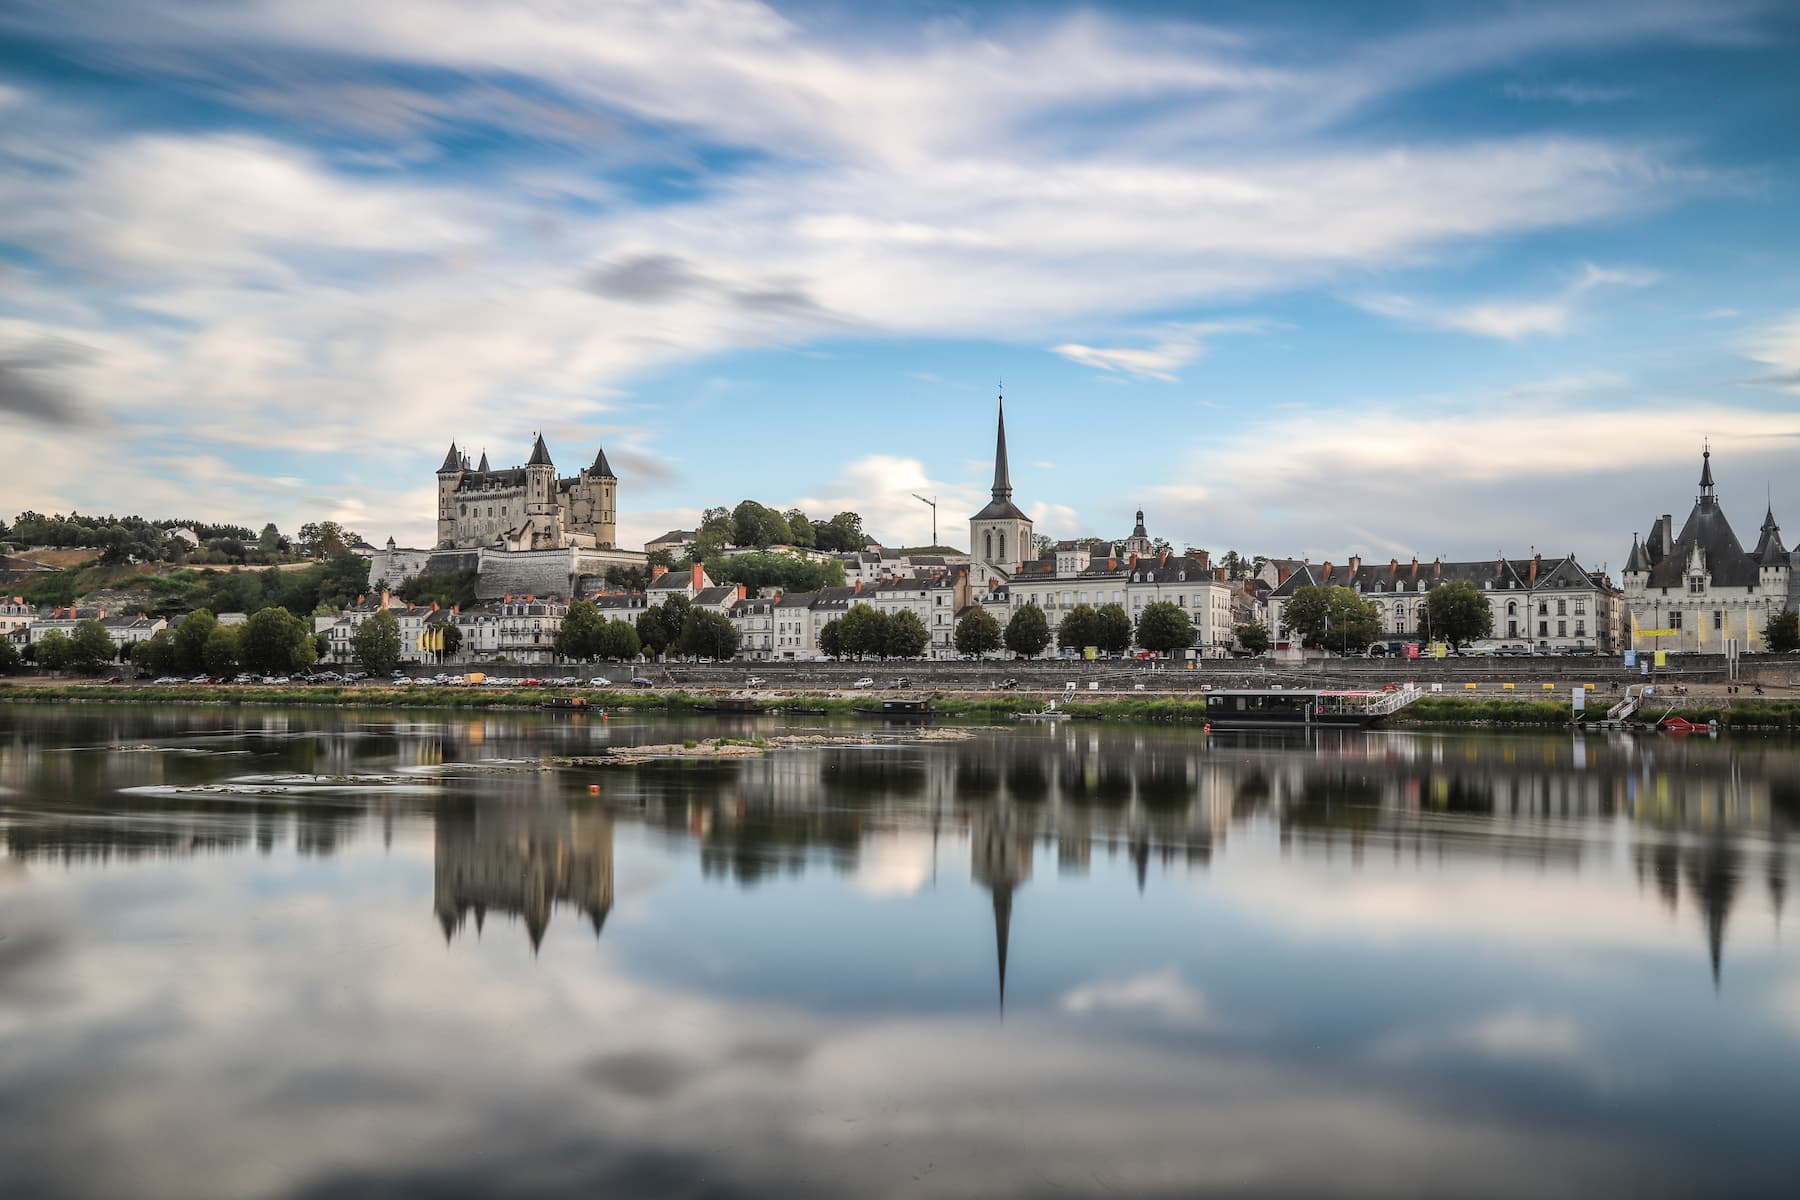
[755, 681]
[599, 681]
[902, 682]
[864, 682]
[1007, 684]
[641, 681]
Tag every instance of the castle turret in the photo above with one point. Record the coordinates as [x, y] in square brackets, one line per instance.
[449, 476]
[540, 496]
[595, 503]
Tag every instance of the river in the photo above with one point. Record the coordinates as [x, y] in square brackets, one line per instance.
[295, 953]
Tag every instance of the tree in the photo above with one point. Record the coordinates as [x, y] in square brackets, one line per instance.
[1456, 612]
[221, 651]
[1331, 617]
[831, 639]
[1080, 627]
[800, 529]
[90, 647]
[446, 589]
[190, 641]
[1783, 632]
[1236, 565]
[628, 579]
[906, 636]
[54, 651]
[843, 532]
[453, 638]
[1252, 637]
[376, 643]
[708, 634]
[274, 641]
[977, 633]
[155, 655]
[618, 640]
[322, 539]
[653, 631]
[789, 572]
[9, 655]
[579, 636]
[1164, 628]
[269, 540]
[863, 630]
[1114, 635]
[758, 525]
[1028, 632]
[1043, 544]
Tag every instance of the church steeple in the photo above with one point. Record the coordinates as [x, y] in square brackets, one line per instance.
[1706, 479]
[1002, 474]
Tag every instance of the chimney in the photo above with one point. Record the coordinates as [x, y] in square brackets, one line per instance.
[1393, 567]
[859, 587]
[385, 597]
[1325, 573]
[1133, 562]
[1204, 558]
[1218, 573]
[1112, 564]
[695, 574]
[657, 573]
[1355, 564]
[1162, 559]
[360, 599]
[743, 592]
[1437, 568]
[1536, 559]
[1415, 566]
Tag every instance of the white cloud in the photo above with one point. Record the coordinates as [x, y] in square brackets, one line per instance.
[1163, 994]
[1778, 348]
[1508, 319]
[882, 488]
[1175, 347]
[1570, 92]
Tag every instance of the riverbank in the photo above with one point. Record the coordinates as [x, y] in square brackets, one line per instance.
[1445, 711]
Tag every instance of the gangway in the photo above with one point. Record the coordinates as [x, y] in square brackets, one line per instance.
[1386, 704]
[1627, 708]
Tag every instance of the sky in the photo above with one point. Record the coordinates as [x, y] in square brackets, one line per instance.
[1297, 279]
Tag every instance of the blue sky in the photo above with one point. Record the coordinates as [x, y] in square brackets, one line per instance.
[1298, 279]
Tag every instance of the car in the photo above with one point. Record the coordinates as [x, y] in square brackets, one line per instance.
[399, 675]
[113, 679]
[902, 682]
[641, 682]
[599, 681]
[864, 682]
[200, 679]
[168, 679]
[755, 681]
[531, 681]
[568, 681]
[1006, 684]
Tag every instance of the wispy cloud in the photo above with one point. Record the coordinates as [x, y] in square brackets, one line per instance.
[1173, 347]
[1569, 92]
[1509, 319]
[1778, 348]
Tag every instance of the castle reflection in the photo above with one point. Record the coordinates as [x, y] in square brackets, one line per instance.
[522, 858]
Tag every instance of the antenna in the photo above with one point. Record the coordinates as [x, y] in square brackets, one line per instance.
[933, 503]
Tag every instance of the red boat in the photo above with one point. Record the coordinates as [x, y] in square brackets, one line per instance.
[1682, 725]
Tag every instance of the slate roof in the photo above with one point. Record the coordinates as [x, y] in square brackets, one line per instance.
[452, 460]
[1769, 551]
[601, 467]
[1492, 574]
[540, 454]
[1708, 531]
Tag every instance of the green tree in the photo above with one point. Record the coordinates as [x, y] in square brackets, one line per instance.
[1252, 637]
[1079, 628]
[789, 572]
[221, 651]
[190, 641]
[906, 636]
[155, 655]
[1114, 635]
[269, 540]
[447, 589]
[831, 639]
[1164, 628]
[843, 532]
[453, 638]
[758, 525]
[627, 579]
[708, 634]
[863, 630]
[54, 651]
[653, 631]
[579, 636]
[1028, 632]
[376, 642]
[1455, 612]
[274, 641]
[1334, 618]
[9, 655]
[1783, 632]
[322, 539]
[800, 529]
[977, 633]
[1236, 565]
[90, 647]
[619, 641]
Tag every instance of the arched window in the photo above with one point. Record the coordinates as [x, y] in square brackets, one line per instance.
[989, 536]
[1003, 547]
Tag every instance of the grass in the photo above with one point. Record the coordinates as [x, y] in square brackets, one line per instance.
[1429, 712]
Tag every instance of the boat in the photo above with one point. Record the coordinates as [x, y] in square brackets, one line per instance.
[1681, 725]
[1262, 708]
[900, 710]
[569, 704]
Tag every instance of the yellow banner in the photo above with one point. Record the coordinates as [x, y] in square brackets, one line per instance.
[1643, 633]
[1662, 658]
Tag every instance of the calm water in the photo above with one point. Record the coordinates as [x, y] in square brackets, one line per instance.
[314, 954]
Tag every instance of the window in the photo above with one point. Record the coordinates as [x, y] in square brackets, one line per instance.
[1562, 629]
[1675, 619]
[1718, 619]
[1580, 605]
[1562, 607]
[1543, 608]
[1697, 586]
[1581, 629]
[1543, 629]
[1512, 608]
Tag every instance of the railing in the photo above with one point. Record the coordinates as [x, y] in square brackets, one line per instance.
[1388, 703]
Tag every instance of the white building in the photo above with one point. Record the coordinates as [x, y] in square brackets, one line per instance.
[1693, 590]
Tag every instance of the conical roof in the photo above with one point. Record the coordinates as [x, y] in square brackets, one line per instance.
[484, 465]
[452, 460]
[1002, 472]
[1639, 559]
[1769, 550]
[601, 467]
[540, 454]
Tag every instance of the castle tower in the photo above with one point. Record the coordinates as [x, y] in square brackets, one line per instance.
[449, 476]
[540, 495]
[1000, 534]
[602, 488]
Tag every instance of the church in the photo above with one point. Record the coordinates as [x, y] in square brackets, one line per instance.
[1694, 589]
[1000, 536]
[528, 507]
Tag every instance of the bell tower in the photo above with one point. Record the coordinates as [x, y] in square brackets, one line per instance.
[1000, 534]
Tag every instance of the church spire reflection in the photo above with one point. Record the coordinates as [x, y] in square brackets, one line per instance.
[1000, 849]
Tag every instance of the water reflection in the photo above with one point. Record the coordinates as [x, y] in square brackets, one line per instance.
[256, 954]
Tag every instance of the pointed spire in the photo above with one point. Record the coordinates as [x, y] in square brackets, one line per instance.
[1140, 531]
[540, 454]
[1769, 550]
[1639, 560]
[1706, 479]
[1002, 929]
[1002, 475]
[452, 460]
[601, 468]
[484, 465]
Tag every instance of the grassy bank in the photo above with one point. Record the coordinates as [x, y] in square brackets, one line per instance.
[1435, 711]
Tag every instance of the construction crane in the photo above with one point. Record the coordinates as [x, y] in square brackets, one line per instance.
[933, 503]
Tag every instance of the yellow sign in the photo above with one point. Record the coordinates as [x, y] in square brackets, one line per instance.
[1662, 658]
[1659, 633]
